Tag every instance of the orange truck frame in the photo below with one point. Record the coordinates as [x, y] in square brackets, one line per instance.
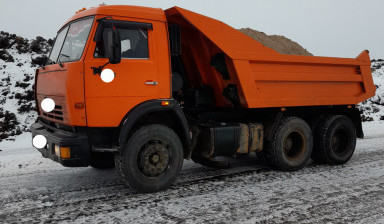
[141, 89]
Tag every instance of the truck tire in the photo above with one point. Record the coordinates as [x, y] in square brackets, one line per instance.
[291, 145]
[335, 140]
[102, 160]
[152, 159]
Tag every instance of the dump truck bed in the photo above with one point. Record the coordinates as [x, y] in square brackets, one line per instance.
[285, 80]
[265, 78]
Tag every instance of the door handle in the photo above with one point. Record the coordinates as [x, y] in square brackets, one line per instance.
[151, 83]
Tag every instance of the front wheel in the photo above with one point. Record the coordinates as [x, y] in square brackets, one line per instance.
[151, 160]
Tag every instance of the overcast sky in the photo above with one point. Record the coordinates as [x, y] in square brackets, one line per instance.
[339, 28]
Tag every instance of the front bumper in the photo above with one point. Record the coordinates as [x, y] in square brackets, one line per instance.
[78, 143]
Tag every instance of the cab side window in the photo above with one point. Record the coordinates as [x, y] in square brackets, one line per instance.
[134, 42]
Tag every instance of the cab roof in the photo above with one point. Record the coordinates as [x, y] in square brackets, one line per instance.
[123, 10]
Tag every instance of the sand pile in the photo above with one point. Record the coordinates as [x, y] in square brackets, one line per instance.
[280, 44]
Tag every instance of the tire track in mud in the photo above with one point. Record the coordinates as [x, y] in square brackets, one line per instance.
[89, 199]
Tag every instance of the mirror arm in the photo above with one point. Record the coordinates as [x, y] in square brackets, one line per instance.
[97, 70]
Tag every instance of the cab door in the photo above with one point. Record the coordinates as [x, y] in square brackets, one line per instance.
[135, 76]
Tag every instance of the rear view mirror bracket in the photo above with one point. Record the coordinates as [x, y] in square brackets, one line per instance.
[97, 70]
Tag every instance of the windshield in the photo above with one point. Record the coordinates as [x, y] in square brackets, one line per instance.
[70, 41]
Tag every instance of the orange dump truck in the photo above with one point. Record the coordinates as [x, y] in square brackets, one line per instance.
[142, 89]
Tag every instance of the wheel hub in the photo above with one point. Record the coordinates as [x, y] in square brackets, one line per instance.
[335, 141]
[339, 141]
[288, 144]
[294, 145]
[154, 158]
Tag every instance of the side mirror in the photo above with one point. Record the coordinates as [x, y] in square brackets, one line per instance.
[112, 44]
[114, 47]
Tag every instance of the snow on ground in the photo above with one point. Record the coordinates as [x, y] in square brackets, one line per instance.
[42, 191]
[19, 157]
[373, 108]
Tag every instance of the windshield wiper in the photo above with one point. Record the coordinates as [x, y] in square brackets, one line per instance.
[58, 59]
[64, 55]
[61, 64]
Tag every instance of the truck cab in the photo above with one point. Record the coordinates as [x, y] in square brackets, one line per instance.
[92, 118]
[70, 77]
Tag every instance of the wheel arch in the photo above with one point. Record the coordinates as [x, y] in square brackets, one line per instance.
[153, 112]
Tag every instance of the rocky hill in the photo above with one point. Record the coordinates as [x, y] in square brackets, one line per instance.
[19, 57]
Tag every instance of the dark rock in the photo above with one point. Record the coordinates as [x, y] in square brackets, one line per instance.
[5, 56]
[5, 40]
[51, 42]
[7, 79]
[22, 45]
[365, 118]
[36, 47]
[27, 78]
[25, 108]
[8, 124]
[5, 93]
[40, 61]
[22, 85]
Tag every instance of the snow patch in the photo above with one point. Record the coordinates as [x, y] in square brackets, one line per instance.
[373, 108]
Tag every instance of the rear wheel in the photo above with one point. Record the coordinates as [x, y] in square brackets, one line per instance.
[151, 160]
[335, 140]
[291, 146]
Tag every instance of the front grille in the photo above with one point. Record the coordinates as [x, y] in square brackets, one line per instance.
[57, 113]
[53, 124]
